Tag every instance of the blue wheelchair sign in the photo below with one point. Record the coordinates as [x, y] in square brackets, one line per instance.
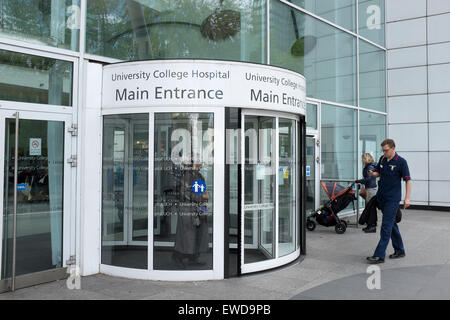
[198, 186]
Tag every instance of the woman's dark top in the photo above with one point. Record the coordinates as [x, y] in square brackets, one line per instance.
[368, 181]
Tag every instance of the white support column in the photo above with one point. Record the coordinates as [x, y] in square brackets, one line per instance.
[91, 171]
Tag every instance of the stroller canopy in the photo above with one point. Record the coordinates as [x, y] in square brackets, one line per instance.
[334, 190]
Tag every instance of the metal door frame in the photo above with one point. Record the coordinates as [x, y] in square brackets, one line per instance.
[68, 232]
[317, 166]
[317, 149]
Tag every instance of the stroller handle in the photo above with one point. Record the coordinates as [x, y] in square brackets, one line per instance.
[333, 189]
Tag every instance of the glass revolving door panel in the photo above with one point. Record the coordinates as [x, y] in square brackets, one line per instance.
[259, 188]
[270, 212]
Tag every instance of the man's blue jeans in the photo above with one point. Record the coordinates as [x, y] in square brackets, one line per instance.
[389, 230]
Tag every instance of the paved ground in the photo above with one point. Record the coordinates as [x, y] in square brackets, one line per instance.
[334, 268]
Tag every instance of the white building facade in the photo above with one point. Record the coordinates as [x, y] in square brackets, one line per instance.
[418, 55]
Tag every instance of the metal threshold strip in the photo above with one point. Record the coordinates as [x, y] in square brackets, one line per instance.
[32, 279]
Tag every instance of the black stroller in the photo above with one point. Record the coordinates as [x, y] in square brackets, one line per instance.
[327, 216]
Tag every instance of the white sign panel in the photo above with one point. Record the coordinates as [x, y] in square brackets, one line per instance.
[35, 147]
[202, 83]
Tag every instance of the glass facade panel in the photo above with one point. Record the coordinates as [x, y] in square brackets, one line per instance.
[27, 78]
[338, 142]
[372, 20]
[163, 29]
[372, 77]
[342, 12]
[125, 191]
[325, 55]
[183, 191]
[287, 195]
[372, 131]
[311, 116]
[45, 22]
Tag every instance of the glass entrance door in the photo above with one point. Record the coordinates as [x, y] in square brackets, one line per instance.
[35, 226]
[259, 183]
[270, 185]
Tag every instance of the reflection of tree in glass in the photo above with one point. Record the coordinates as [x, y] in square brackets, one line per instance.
[221, 24]
[25, 16]
[143, 29]
[41, 21]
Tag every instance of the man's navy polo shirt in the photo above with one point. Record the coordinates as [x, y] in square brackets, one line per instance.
[391, 175]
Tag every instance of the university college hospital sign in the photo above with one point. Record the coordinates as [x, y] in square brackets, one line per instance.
[202, 83]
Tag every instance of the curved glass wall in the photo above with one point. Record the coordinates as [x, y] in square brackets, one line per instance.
[50, 23]
[184, 211]
[325, 55]
[287, 186]
[183, 191]
[163, 29]
[125, 191]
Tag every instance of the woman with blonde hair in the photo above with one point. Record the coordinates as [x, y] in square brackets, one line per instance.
[370, 184]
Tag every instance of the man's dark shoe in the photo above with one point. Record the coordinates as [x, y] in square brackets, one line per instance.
[375, 260]
[370, 230]
[397, 255]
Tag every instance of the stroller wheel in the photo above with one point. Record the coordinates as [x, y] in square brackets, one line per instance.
[310, 225]
[340, 228]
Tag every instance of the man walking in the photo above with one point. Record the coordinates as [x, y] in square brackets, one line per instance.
[391, 169]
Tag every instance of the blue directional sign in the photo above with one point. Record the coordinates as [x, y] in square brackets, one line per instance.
[198, 186]
[21, 187]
